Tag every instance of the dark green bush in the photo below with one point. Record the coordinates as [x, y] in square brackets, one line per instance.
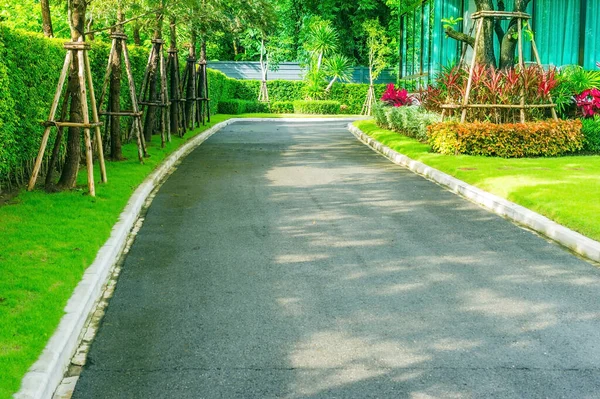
[236, 107]
[320, 107]
[30, 65]
[508, 140]
[282, 107]
[591, 132]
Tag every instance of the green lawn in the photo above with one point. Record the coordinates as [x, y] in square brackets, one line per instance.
[48, 240]
[564, 189]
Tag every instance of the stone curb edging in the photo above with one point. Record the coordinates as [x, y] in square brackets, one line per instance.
[45, 375]
[576, 242]
[42, 379]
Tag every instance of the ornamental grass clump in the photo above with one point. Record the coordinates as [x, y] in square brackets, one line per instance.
[493, 86]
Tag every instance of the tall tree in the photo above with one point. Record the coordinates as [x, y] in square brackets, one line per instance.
[46, 18]
[68, 177]
[493, 29]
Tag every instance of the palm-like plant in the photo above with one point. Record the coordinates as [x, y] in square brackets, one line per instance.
[322, 40]
[338, 67]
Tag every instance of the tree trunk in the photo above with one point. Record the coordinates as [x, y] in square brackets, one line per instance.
[116, 153]
[150, 122]
[137, 38]
[174, 79]
[203, 50]
[485, 50]
[46, 19]
[68, 177]
[191, 81]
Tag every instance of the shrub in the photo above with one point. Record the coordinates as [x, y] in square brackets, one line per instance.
[396, 98]
[411, 121]
[282, 107]
[494, 86]
[317, 107]
[591, 132]
[532, 139]
[589, 102]
[236, 107]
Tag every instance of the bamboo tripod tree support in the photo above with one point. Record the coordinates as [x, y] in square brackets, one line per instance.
[192, 101]
[367, 108]
[203, 92]
[479, 19]
[78, 50]
[177, 107]
[119, 40]
[263, 95]
[162, 101]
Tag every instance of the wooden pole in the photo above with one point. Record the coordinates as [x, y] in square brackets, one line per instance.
[95, 117]
[86, 120]
[53, 108]
[522, 66]
[473, 61]
[137, 120]
[164, 97]
[539, 62]
[107, 74]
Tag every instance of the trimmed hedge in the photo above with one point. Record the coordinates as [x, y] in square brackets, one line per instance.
[591, 131]
[411, 121]
[236, 107]
[532, 139]
[351, 96]
[282, 107]
[30, 66]
[317, 107]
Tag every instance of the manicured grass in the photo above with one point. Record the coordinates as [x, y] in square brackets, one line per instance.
[564, 189]
[48, 240]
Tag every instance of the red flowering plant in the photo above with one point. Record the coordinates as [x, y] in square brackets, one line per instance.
[396, 98]
[589, 102]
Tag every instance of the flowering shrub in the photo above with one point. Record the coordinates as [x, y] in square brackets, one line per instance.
[397, 98]
[532, 139]
[493, 86]
[589, 102]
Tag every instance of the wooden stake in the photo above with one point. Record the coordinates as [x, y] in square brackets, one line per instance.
[96, 119]
[473, 61]
[539, 62]
[137, 120]
[522, 66]
[86, 120]
[53, 108]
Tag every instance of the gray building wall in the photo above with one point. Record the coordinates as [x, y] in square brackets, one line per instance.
[249, 70]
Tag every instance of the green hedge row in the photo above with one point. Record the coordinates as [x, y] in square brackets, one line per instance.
[236, 107]
[351, 96]
[317, 107]
[30, 66]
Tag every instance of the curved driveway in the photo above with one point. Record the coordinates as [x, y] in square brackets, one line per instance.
[287, 260]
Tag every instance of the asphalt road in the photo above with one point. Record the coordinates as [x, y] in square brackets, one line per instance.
[287, 260]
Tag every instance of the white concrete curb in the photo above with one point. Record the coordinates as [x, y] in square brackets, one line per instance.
[578, 243]
[47, 372]
[45, 375]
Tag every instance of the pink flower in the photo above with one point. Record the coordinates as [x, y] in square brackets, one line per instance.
[397, 98]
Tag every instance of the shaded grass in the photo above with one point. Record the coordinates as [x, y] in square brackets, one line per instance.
[48, 240]
[564, 189]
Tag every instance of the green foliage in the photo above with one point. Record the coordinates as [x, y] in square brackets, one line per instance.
[377, 47]
[573, 80]
[591, 131]
[236, 107]
[282, 107]
[30, 66]
[410, 121]
[317, 107]
[533, 139]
